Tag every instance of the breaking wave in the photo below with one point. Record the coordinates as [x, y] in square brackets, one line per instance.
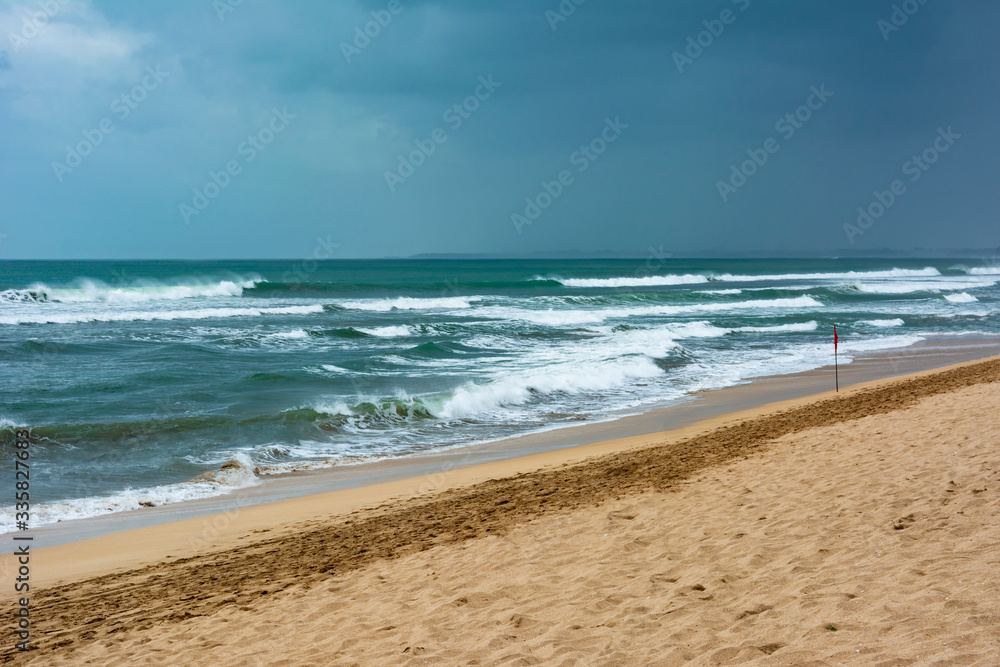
[87, 290]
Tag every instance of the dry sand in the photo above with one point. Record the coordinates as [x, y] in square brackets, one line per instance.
[874, 513]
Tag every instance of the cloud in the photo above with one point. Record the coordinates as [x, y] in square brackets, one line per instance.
[71, 50]
[355, 117]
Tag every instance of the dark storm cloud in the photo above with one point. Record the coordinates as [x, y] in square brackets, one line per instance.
[354, 115]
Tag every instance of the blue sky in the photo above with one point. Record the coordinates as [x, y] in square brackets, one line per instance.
[196, 129]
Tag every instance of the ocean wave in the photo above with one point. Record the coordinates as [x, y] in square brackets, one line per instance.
[795, 327]
[148, 316]
[879, 343]
[963, 297]
[721, 292]
[476, 399]
[88, 290]
[847, 275]
[896, 322]
[235, 474]
[409, 303]
[632, 281]
[705, 329]
[570, 317]
[616, 359]
[387, 332]
[335, 369]
[601, 363]
[24, 296]
[365, 413]
[621, 357]
[10, 425]
[920, 286]
[278, 289]
[759, 304]
[297, 333]
[684, 330]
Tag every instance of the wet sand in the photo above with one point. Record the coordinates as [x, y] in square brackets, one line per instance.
[749, 536]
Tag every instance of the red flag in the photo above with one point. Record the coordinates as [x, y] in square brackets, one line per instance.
[835, 339]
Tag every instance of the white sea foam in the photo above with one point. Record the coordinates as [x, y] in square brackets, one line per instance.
[684, 330]
[87, 290]
[634, 281]
[985, 271]
[623, 358]
[22, 296]
[409, 303]
[613, 361]
[964, 297]
[76, 317]
[387, 332]
[795, 327]
[896, 322]
[879, 343]
[298, 333]
[330, 409]
[847, 275]
[234, 475]
[11, 424]
[733, 367]
[570, 317]
[474, 399]
[908, 287]
[759, 304]
[720, 291]
[690, 279]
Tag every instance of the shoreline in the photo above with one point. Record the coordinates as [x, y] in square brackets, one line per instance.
[425, 467]
[133, 539]
[299, 545]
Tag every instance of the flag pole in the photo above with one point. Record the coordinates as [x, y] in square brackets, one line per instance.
[836, 365]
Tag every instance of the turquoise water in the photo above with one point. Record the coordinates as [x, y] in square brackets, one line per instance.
[141, 380]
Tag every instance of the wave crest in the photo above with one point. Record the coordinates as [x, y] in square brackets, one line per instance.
[633, 281]
[928, 272]
[88, 290]
[409, 303]
[149, 316]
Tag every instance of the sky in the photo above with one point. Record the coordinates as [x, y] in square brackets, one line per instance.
[257, 129]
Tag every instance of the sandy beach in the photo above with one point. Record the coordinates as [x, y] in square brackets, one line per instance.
[857, 528]
[511, 333]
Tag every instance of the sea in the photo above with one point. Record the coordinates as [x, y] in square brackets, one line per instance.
[145, 383]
